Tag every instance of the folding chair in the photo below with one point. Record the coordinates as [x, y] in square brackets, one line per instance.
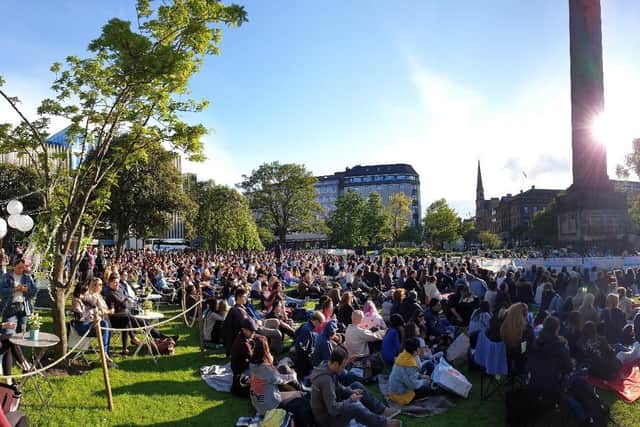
[491, 357]
[84, 344]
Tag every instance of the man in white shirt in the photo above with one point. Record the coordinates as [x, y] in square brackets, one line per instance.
[357, 339]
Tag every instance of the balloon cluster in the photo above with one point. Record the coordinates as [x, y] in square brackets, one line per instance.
[16, 220]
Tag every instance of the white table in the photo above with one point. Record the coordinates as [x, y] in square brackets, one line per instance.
[150, 317]
[155, 298]
[38, 348]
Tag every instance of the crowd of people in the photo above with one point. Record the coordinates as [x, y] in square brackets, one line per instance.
[375, 313]
[305, 330]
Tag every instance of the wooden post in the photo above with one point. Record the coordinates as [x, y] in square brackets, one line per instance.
[200, 321]
[105, 367]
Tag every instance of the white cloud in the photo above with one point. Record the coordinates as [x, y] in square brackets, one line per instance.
[453, 126]
[218, 166]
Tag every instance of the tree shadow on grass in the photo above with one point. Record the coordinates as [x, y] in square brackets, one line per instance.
[218, 416]
[157, 388]
[177, 362]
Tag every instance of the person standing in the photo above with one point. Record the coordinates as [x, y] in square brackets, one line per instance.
[16, 291]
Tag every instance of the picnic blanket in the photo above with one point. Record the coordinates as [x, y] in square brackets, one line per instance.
[218, 377]
[626, 384]
[425, 407]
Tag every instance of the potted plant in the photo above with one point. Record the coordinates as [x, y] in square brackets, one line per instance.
[34, 322]
[147, 306]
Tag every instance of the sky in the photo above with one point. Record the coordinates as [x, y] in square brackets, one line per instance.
[437, 84]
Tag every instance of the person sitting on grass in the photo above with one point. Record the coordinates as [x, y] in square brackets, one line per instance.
[613, 320]
[241, 354]
[595, 351]
[406, 383]
[549, 360]
[325, 343]
[392, 341]
[305, 342]
[264, 391]
[334, 405]
[278, 312]
[372, 320]
[357, 338]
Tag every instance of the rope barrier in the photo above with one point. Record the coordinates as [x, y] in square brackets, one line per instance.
[37, 371]
[142, 328]
[184, 306]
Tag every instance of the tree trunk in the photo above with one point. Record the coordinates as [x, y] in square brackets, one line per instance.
[120, 243]
[59, 300]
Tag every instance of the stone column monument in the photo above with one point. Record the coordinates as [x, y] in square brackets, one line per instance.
[590, 213]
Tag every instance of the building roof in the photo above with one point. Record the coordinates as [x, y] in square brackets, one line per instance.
[534, 193]
[59, 138]
[396, 168]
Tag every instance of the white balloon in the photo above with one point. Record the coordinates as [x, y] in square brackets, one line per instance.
[3, 228]
[14, 221]
[26, 223]
[14, 207]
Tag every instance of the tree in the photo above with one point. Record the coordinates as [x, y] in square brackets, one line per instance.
[490, 240]
[412, 234]
[283, 198]
[146, 193]
[399, 212]
[346, 221]
[134, 81]
[544, 227]
[20, 182]
[632, 164]
[376, 226]
[441, 223]
[224, 218]
[468, 231]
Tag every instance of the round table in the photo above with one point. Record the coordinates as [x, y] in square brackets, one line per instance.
[151, 317]
[155, 298]
[38, 348]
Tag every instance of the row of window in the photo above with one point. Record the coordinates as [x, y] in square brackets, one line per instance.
[379, 178]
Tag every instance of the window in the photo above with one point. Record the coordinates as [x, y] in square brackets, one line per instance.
[378, 178]
[401, 177]
[356, 179]
[389, 178]
[366, 179]
[526, 210]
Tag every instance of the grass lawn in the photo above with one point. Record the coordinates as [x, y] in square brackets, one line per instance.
[171, 393]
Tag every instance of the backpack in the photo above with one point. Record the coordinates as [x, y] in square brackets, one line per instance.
[586, 404]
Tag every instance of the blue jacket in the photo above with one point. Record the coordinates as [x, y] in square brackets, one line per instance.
[390, 345]
[7, 288]
[324, 345]
[305, 339]
[433, 324]
[477, 286]
[405, 378]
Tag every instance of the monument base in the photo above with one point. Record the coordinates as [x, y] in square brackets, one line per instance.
[593, 218]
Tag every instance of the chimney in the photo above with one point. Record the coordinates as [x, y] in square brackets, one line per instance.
[533, 187]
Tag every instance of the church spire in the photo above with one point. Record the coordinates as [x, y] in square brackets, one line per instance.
[479, 187]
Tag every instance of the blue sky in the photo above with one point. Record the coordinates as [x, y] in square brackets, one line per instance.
[438, 84]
